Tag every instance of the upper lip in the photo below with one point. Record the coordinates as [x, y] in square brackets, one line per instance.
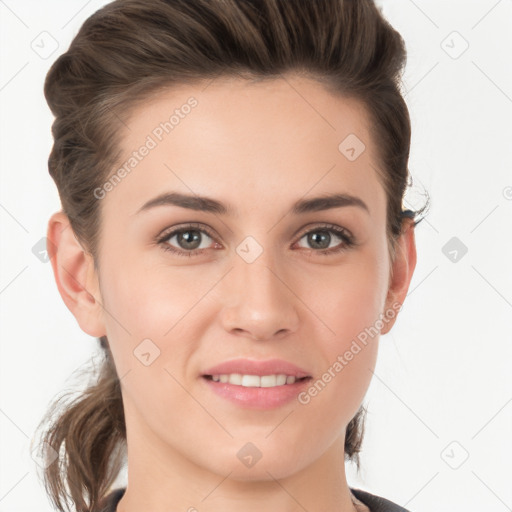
[255, 367]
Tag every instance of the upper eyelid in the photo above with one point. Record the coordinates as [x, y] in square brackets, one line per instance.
[167, 233]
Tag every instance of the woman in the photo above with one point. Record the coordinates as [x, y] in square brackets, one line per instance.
[231, 175]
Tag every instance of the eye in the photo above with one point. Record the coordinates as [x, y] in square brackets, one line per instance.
[320, 238]
[189, 240]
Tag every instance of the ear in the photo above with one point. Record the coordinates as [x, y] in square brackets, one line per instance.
[75, 275]
[402, 269]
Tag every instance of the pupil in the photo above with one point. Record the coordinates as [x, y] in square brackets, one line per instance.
[313, 239]
[182, 237]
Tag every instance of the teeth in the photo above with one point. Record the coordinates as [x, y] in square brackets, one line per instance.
[255, 381]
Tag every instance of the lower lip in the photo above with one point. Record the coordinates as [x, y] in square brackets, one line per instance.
[257, 398]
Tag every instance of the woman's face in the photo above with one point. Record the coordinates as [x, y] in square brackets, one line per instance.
[260, 275]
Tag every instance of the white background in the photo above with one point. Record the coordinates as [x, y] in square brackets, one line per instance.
[443, 387]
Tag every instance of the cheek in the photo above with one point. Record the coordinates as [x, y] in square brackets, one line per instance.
[150, 312]
[351, 307]
[151, 300]
[349, 356]
[147, 322]
[353, 297]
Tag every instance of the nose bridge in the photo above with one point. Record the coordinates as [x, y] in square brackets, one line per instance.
[261, 303]
[260, 286]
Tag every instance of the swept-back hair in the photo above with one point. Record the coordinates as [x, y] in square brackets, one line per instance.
[127, 51]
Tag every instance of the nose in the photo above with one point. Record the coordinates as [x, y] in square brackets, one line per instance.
[261, 304]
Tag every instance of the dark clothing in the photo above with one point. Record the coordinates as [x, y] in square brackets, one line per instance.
[374, 503]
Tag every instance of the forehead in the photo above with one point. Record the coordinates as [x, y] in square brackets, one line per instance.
[246, 141]
[294, 107]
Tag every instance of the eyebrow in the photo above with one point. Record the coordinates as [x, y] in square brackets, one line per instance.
[209, 205]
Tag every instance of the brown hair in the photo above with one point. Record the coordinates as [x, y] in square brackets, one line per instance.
[128, 50]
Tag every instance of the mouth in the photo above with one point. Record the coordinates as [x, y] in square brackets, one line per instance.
[256, 384]
[256, 381]
[261, 392]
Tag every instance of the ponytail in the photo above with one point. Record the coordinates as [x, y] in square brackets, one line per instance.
[354, 436]
[91, 432]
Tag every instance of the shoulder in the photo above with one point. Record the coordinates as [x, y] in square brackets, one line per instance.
[376, 503]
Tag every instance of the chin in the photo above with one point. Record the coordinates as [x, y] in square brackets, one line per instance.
[251, 464]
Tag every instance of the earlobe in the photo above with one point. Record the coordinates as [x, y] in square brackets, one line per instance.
[403, 269]
[75, 276]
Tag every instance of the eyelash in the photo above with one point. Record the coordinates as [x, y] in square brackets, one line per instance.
[348, 239]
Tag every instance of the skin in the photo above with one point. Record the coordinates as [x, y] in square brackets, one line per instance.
[259, 147]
